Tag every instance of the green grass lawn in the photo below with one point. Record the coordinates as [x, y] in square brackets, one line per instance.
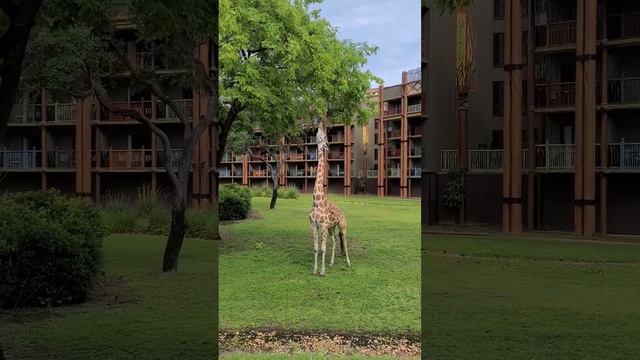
[157, 316]
[499, 298]
[266, 265]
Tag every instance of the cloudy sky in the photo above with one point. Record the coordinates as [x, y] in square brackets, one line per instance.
[392, 25]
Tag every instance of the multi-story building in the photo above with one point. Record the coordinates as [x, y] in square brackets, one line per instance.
[78, 147]
[381, 157]
[547, 137]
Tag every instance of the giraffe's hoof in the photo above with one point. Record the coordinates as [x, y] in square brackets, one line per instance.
[331, 264]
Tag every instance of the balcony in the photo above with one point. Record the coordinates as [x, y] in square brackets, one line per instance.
[624, 91]
[556, 95]
[61, 159]
[296, 172]
[20, 159]
[296, 157]
[144, 60]
[166, 113]
[99, 113]
[310, 140]
[448, 160]
[259, 173]
[62, 112]
[624, 156]
[312, 156]
[372, 173]
[393, 172]
[126, 159]
[415, 131]
[624, 26]
[225, 173]
[26, 114]
[414, 108]
[393, 134]
[555, 156]
[393, 110]
[393, 153]
[336, 155]
[177, 158]
[561, 33]
[416, 152]
[337, 138]
[336, 172]
[415, 172]
[485, 160]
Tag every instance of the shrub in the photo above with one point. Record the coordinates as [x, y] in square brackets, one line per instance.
[200, 224]
[50, 249]
[234, 202]
[290, 192]
[120, 220]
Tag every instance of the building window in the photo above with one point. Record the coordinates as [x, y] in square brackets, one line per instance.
[498, 9]
[375, 154]
[498, 98]
[498, 49]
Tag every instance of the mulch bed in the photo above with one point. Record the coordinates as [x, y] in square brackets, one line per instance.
[333, 343]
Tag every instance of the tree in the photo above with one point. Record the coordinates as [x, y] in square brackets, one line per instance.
[16, 21]
[77, 58]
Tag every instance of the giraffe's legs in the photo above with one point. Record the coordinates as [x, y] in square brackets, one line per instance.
[333, 247]
[343, 235]
[325, 233]
[314, 229]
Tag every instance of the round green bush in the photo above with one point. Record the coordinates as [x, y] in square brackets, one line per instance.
[50, 249]
[234, 202]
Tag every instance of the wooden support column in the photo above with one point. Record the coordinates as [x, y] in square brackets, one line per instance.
[347, 160]
[404, 159]
[83, 148]
[44, 139]
[585, 133]
[245, 170]
[531, 123]
[98, 146]
[512, 123]
[604, 127]
[381, 143]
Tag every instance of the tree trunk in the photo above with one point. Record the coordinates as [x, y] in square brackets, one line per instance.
[176, 236]
[215, 205]
[274, 197]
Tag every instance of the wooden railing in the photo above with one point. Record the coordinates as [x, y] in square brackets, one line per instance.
[295, 172]
[336, 155]
[372, 173]
[26, 114]
[393, 110]
[296, 156]
[165, 112]
[556, 95]
[393, 152]
[448, 160]
[62, 112]
[414, 108]
[624, 26]
[485, 160]
[556, 33]
[20, 159]
[624, 90]
[624, 155]
[336, 138]
[126, 159]
[555, 156]
[99, 113]
[177, 158]
[61, 159]
[336, 172]
[393, 172]
[225, 172]
[395, 133]
[259, 173]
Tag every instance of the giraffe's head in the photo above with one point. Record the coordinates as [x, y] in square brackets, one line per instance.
[321, 138]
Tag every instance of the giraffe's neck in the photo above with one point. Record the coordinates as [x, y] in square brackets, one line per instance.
[319, 197]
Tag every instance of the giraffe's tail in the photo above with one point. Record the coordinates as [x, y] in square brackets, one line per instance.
[342, 248]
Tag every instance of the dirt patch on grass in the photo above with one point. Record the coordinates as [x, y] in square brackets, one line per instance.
[252, 215]
[333, 343]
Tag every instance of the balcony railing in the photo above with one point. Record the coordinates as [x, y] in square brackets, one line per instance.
[448, 160]
[624, 90]
[414, 75]
[26, 114]
[225, 173]
[556, 34]
[415, 172]
[372, 173]
[296, 156]
[101, 114]
[259, 173]
[556, 95]
[20, 159]
[62, 113]
[61, 159]
[414, 108]
[126, 159]
[555, 156]
[312, 156]
[485, 160]
[393, 110]
[393, 152]
[144, 60]
[336, 172]
[339, 138]
[416, 151]
[393, 172]
[296, 172]
[624, 155]
[415, 131]
[395, 133]
[177, 158]
[336, 156]
[165, 112]
[624, 26]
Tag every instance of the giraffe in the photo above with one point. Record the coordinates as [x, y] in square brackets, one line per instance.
[325, 216]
